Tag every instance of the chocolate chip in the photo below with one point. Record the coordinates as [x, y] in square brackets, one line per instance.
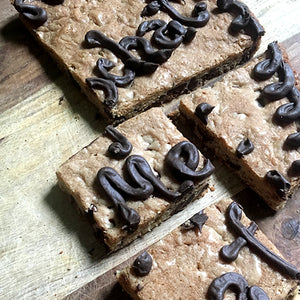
[245, 147]
[202, 111]
[143, 264]
[199, 220]
[276, 179]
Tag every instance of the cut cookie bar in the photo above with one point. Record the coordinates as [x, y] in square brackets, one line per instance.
[249, 118]
[218, 254]
[129, 55]
[138, 175]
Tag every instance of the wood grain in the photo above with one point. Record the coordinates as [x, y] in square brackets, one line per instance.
[47, 249]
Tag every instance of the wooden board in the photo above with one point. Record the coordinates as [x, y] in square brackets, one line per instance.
[47, 249]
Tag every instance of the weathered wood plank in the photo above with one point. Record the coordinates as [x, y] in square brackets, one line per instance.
[47, 249]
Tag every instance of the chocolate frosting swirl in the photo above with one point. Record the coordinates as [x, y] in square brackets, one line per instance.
[109, 88]
[142, 264]
[200, 15]
[234, 213]
[243, 20]
[94, 38]
[245, 147]
[36, 15]
[236, 283]
[266, 69]
[186, 169]
[230, 252]
[289, 112]
[167, 36]
[104, 65]
[144, 180]
[122, 147]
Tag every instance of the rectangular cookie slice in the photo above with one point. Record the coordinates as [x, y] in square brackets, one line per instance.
[207, 258]
[135, 177]
[181, 45]
[249, 119]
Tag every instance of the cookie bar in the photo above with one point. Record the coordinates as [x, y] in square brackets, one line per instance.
[217, 251]
[136, 176]
[249, 119]
[128, 55]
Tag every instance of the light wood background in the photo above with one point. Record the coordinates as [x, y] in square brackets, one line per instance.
[48, 250]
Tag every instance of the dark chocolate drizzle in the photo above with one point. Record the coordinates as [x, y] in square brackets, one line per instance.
[245, 147]
[139, 43]
[183, 158]
[276, 179]
[167, 36]
[144, 184]
[109, 88]
[257, 293]
[104, 65]
[279, 90]
[243, 20]
[121, 147]
[200, 15]
[266, 69]
[95, 38]
[36, 15]
[230, 252]
[289, 112]
[142, 264]
[198, 220]
[293, 140]
[238, 284]
[202, 111]
[234, 213]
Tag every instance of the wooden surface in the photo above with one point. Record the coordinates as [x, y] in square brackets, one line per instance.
[47, 249]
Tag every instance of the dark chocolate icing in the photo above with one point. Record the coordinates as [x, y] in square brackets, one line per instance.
[36, 15]
[104, 65]
[281, 184]
[285, 87]
[279, 90]
[109, 88]
[267, 68]
[167, 36]
[200, 15]
[230, 252]
[243, 20]
[94, 38]
[139, 43]
[183, 158]
[144, 184]
[234, 213]
[257, 293]
[293, 140]
[121, 147]
[202, 111]
[142, 264]
[238, 284]
[289, 112]
[245, 147]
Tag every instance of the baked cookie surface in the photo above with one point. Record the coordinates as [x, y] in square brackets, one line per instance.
[80, 33]
[188, 264]
[250, 121]
[132, 186]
